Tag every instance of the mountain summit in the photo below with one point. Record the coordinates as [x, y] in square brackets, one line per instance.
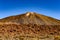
[31, 18]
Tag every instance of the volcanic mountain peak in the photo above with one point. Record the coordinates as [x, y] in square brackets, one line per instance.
[29, 26]
[31, 18]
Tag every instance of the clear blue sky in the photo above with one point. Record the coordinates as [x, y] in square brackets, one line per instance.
[15, 7]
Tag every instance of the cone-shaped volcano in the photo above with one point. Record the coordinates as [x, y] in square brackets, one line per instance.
[31, 18]
[29, 26]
